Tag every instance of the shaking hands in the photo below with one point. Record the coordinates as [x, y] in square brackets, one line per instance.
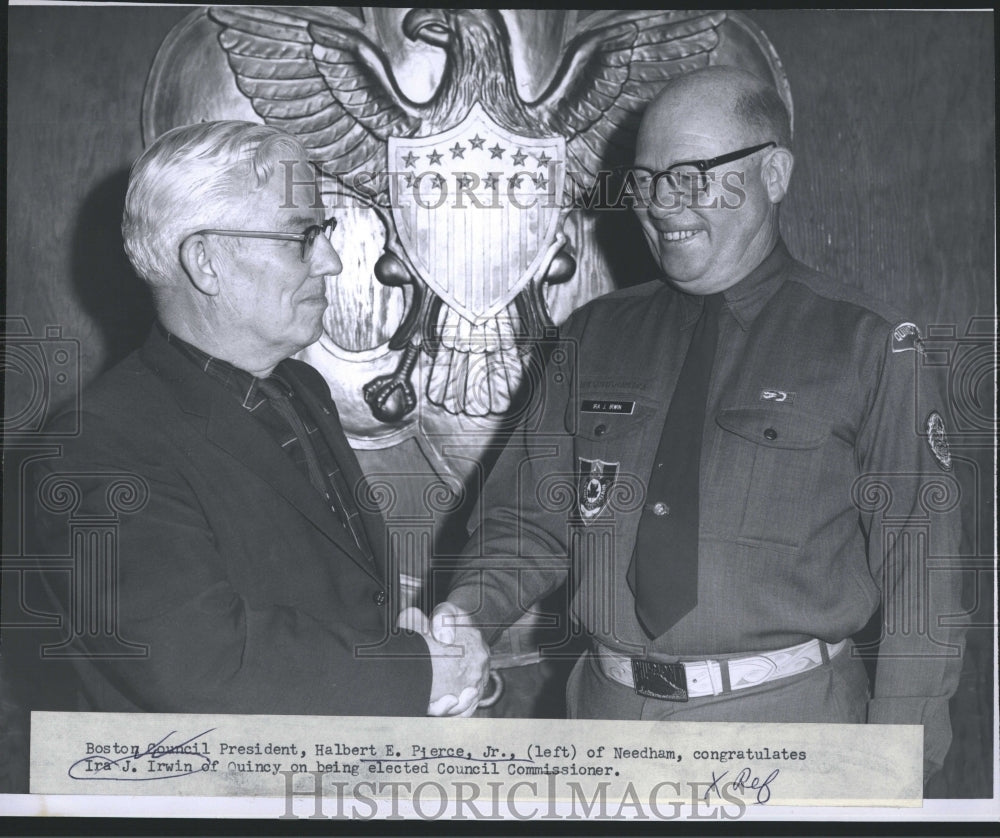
[459, 657]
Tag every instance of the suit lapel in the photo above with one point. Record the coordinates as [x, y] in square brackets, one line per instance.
[231, 428]
[353, 476]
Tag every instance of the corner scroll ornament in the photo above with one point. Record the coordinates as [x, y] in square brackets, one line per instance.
[477, 179]
[94, 503]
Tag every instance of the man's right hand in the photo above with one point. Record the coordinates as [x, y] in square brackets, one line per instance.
[459, 657]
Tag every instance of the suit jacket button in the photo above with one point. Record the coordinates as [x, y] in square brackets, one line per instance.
[600, 430]
[770, 433]
[379, 598]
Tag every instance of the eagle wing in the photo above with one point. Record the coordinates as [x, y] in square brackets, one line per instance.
[610, 70]
[315, 73]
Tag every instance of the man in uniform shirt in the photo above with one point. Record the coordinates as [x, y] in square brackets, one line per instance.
[716, 460]
[252, 574]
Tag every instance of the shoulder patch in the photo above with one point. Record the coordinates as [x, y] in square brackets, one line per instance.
[937, 439]
[906, 336]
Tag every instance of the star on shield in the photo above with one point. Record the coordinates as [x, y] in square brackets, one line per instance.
[478, 244]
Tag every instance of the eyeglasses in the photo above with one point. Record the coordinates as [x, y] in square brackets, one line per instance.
[307, 237]
[689, 174]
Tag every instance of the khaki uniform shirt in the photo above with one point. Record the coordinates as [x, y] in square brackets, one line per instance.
[822, 495]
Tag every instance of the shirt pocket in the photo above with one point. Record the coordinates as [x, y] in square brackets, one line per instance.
[615, 443]
[781, 450]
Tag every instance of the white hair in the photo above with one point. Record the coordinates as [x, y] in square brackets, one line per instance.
[194, 177]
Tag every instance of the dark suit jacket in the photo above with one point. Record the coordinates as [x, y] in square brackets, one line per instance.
[243, 585]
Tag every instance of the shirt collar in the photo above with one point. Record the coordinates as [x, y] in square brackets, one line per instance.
[747, 297]
[242, 384]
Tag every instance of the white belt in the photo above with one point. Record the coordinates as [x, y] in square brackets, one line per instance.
[715, 677]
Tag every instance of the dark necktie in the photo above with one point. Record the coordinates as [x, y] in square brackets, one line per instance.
[277, 394]
[663, 574]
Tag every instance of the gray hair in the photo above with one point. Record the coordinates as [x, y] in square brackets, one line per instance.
[194, 177]
[762, 110]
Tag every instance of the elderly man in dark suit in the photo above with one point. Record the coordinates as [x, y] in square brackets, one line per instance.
[254, 571]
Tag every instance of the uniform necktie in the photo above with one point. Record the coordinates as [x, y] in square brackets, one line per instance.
[663, 573]
[278, 396]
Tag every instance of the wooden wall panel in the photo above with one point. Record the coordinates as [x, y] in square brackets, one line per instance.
[75, 81]
[894, 141]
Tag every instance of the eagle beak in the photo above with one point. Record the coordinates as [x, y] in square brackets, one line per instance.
[430, 25]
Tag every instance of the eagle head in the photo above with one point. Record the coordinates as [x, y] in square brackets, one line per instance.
[478, 66]
[429, 25]
[442, 27]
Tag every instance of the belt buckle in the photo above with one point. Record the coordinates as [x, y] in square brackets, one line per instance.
[666, 681]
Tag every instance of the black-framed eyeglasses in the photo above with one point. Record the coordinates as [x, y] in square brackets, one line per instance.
[689, 174]
[307, 237]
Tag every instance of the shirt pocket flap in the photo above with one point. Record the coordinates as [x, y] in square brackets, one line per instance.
[775, 428]
[602, 418]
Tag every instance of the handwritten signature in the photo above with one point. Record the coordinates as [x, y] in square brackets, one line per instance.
[185, 760]
[744, 781]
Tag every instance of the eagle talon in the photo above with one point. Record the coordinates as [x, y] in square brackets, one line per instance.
[391, 397]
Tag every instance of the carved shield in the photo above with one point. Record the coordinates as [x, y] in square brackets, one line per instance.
[476, 209]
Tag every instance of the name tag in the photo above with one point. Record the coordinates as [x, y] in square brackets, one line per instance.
[605, 406]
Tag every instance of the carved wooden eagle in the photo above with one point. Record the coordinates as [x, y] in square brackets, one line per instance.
[318, 74]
